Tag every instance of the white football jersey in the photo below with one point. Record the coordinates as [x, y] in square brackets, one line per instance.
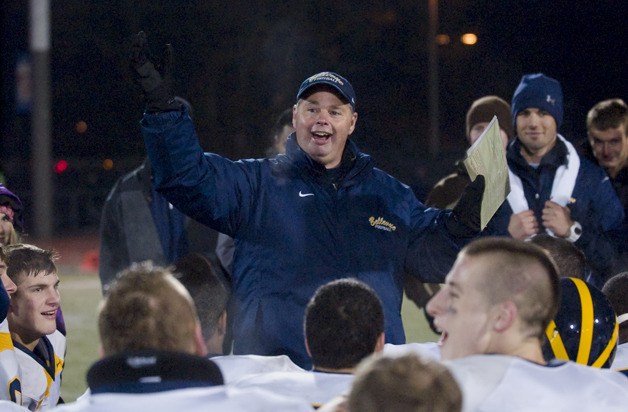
[430, 350]
[499, 383]
[620, 362]
[10, 387]
[41, 381]
[8, 406]
[236, 367]
[216, 398]
[316, 388]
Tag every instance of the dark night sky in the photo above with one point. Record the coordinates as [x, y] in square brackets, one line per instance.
[241, 64]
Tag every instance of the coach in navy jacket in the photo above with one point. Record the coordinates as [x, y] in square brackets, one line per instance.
[320, 212]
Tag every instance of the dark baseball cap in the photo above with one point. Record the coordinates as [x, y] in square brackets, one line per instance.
[333, 80]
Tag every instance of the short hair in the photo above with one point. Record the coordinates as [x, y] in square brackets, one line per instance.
[147, 308]
[210, 295]
[343, 321]
[608, 114]
[523, 273]
[277, 137]
[284, 119]
[407, 383]
[28, 260]
[616, 290]
[569, 259]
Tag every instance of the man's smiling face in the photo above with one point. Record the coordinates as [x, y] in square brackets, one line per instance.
[323, 123]
[462, 312]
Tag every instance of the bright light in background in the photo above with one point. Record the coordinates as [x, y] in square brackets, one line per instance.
[469, 39]
[61, 166]
[442, 39]
[107, 164]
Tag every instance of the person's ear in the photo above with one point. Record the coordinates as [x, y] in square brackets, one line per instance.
[381, 341]
[294, 115]
[200, 348]
[506, 315]
[307, 349]
[221, 327]
[354, 120]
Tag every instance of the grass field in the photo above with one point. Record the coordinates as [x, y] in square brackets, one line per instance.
[80, 295]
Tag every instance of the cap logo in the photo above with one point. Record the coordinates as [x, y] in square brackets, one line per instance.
[550, 100]
[326, 76]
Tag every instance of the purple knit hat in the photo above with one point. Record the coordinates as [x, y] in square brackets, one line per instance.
[10, 199]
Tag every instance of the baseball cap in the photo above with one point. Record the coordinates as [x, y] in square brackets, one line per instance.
[334, 80]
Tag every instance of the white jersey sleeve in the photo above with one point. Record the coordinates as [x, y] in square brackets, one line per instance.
[10, 386]
[430, 350]
[236, 367]
[8, 406]
[317, 388]
[620, 362]
[498, 383]
[218, 398]
[41, 383]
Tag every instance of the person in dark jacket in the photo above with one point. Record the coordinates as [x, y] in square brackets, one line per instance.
[321, 211]
[447, 191]
[139, 224]
[607, 129]
[553, 189]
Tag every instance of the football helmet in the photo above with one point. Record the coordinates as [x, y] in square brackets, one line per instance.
[585, 328]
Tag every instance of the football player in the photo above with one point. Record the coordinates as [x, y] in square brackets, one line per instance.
[10, 387]
[39, 346]
[585, 328]
[497, 302]
[616, 290]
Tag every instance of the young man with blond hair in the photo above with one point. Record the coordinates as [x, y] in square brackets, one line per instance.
[493, 311]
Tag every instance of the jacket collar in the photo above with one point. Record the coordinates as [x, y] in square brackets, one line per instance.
[151, 371]
[353, 166]
[555, 157]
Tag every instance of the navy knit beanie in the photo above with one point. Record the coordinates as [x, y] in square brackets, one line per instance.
[540, 92]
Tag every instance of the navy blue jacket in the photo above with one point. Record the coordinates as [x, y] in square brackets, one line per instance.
[596, 205]
[296, 229]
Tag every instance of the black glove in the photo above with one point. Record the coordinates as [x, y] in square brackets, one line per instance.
[464, 221]
[154, 78]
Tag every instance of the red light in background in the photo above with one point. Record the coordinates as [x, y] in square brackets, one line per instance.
[61, 166]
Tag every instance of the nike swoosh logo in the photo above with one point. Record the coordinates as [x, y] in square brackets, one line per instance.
[301, 194]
